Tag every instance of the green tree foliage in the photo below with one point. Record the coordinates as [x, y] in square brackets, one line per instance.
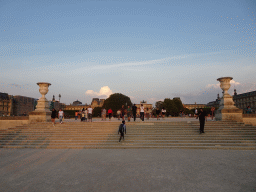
[172, 106]
[115, 102]
[159, 104]
[96, 112]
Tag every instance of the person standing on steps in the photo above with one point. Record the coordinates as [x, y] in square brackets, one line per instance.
[157, 113]
[163, 112]
[61, 115]
[90, 113]
[142, 112]
[53, 116]
[212, 112]
[134, 111]
[122, 130]
[129, 111]
[122, 112]
[110, 112]
[202, 116]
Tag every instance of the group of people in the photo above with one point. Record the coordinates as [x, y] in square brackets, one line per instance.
[85, 114]
[132, 112]
[54, 115]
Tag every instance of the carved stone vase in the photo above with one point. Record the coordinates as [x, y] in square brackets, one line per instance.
[42, 112]
[227, 110]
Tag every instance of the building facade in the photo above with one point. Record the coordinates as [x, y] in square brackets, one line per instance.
[78, 106]
[242, 101]
[16, 105]
[6, 104]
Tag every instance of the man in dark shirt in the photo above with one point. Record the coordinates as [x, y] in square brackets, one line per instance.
[134, 111]
[201, 115]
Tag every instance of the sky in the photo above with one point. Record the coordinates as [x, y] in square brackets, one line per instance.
[145, 49]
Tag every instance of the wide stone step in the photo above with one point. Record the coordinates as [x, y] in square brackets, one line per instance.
[123, 146]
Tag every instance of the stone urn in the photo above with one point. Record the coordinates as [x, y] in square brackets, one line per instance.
[225, 84]
[43, 89]
[227, 110]
[42, 112]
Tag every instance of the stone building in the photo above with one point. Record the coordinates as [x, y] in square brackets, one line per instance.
[6, 104]
[23, 105]
[96, 102]
[193, 106]
[145, 105]
[16, 105]
[78, 106]
[215, 103]
[245, 99]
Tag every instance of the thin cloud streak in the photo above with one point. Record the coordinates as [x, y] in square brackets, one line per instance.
[149, 62]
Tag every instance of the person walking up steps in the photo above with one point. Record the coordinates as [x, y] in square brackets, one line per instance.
[201, 115]
[134, 111]
[122, 130]
[61, 115]
[53, 116]
[90, 113]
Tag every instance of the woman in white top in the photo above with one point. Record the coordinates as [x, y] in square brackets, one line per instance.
[142, 112]
[163, 112]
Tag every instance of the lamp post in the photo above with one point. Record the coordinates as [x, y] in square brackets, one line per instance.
[59, 100]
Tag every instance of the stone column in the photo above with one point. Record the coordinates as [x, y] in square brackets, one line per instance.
[42, 112]
[227, 109]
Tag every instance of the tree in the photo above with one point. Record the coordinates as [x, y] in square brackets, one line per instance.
[115, 102]
[159, 104]
[96, 112]
[170, 106]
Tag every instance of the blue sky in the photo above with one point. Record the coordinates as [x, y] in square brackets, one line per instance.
[147, 50]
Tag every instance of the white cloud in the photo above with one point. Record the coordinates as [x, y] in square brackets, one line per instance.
[234, 83]
[217, 86]
[104, 91]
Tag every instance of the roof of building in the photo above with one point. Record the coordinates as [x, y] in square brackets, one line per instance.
[252, 93]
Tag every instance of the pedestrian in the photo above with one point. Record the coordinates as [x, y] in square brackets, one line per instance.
[110, 112]
[249, 110]
[53, 116]
[104, 113]
[122, 112]
[129, 112]
[61, 116]
[90, 113]
[83, 115]
[122, 130]
[196, 111]
[76, 115]
[134, 111]
[86, 114]
[142, 112]
[147, 113]
[157, 113]
[202, 116]
[212, 110]
[163, 112]
[118, 113]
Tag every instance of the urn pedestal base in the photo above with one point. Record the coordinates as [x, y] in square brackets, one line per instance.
[229, 114]
[42, 112]
[227, 110]
[39, 116]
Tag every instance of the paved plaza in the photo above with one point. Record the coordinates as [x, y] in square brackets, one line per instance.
[127, 170]
[62, 170]
[166, 119]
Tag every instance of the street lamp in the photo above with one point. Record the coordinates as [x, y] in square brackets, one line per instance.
[59, 100]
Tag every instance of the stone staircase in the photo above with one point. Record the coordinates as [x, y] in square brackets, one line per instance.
[152, 135]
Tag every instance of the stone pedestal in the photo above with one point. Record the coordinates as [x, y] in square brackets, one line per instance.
[42, 112]
[227, 109]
